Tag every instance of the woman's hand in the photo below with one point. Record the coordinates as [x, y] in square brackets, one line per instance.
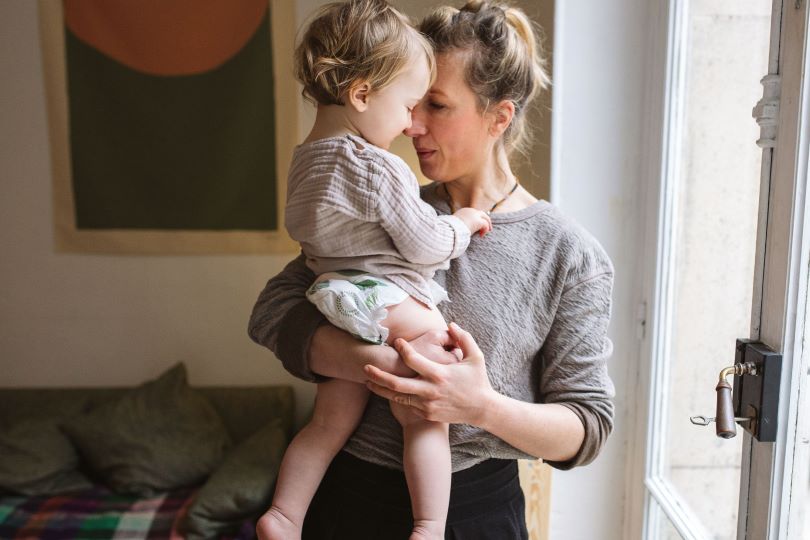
[438, 346]
[460, 393]
[456, 393]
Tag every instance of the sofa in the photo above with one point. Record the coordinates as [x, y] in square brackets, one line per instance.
[161, 460]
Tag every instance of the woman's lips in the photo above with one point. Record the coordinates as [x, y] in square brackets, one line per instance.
[424, 153]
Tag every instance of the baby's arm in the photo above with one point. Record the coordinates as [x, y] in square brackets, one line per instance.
[420, 235]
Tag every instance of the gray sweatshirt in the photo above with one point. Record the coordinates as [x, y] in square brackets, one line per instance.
[536, 295]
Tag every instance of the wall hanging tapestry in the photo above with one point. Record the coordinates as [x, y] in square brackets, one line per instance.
[172, 124]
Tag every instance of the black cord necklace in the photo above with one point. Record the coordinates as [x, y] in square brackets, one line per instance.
[494, 206]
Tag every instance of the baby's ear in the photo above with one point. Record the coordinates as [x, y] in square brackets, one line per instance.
[357, 96]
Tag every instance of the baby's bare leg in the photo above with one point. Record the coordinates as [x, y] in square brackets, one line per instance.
[339, 407]
[426, 456]
[410, 319]
[426, 460]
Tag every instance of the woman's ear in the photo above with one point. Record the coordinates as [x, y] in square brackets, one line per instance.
[357, 96]
[501, 116]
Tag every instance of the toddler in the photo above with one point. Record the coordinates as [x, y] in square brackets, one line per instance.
[373, 243]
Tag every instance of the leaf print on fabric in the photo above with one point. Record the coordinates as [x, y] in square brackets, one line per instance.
[349, 273]
[367, 284]
[371, 300]
[345, 304]
[317, 287]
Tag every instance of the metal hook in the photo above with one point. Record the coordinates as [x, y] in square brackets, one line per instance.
[704, 421]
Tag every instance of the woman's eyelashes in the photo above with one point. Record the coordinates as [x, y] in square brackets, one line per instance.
[435, 105]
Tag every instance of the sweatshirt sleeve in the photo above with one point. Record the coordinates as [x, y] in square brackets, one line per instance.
[284, 321]
[574, 358]
[420, 235]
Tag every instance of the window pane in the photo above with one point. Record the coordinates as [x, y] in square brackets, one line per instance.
[715, 217]
[662, 528]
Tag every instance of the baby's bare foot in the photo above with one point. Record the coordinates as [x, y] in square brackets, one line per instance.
[426, 529]
[274, 525]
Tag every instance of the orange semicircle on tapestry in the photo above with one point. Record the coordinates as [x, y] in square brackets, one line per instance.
[166, 37]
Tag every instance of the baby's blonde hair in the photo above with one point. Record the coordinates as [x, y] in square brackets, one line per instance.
[353, 41]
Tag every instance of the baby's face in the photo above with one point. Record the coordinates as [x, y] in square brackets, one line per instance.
[389, 109]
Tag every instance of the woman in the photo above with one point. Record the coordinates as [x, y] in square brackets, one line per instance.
[535, 293]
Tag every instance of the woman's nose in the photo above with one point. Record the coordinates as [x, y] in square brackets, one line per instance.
[418, 126]
[415, 130]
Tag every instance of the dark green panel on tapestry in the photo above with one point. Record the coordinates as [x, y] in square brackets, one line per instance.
[183, 152]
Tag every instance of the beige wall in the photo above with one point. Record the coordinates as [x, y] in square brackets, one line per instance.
[92, 320]
[97, 320]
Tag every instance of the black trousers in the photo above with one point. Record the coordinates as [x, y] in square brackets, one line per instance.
[358, 500]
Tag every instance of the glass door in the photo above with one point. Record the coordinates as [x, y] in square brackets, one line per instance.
[726, 257]
[707, 248]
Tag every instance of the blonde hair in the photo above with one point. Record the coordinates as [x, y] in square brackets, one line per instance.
[357, 40]
[504, 59]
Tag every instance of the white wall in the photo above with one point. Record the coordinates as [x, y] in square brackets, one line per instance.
[596, 178]
[99, 320]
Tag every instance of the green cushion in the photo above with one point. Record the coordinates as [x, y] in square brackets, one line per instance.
[37, 459]
[241, 487]
[159, 436]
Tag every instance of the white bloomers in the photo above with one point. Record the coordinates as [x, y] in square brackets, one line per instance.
[356, 301]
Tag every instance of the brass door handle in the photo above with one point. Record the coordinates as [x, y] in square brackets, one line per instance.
[754, 401]
[726, 424]
[725, 421]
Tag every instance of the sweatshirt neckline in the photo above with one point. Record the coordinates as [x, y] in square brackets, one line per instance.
[530, 211]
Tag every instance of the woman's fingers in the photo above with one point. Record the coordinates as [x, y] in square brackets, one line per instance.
[469, 347]
[421, 365]
[409, 400]
[398, 385]
[381, 391]
[440, 338]
[437, 346]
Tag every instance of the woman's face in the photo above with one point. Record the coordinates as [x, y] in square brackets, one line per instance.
[450, 133]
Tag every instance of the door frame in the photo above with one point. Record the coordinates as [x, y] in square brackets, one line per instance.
[775, 476]
[780, 288]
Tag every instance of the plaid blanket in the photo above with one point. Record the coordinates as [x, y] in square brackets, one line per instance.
[98, 513]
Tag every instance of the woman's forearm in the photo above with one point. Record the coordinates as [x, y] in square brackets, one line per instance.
[334, 353]
[550, 431]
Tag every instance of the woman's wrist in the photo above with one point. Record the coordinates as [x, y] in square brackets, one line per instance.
[488, 410]
[548, 431]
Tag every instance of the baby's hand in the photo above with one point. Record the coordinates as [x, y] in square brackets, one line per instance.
[475, 220]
